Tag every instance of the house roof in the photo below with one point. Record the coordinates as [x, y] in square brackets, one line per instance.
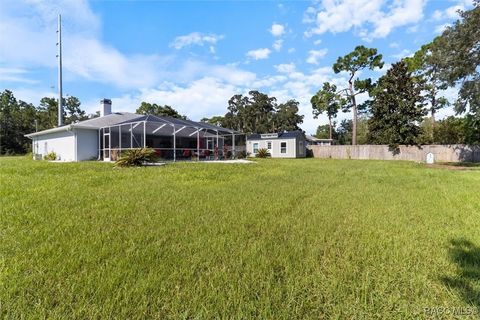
[280, 135]
[180, 122]
[126, 117]
[95, 123]
[312, 138]
[108, 120]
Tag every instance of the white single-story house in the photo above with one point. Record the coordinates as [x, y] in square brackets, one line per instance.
[313, 141]
[105, 137]
[289, 144]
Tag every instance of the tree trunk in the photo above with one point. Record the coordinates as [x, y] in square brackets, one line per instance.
[433, 125]
[354, 109]
[434, 102]
[330, 127]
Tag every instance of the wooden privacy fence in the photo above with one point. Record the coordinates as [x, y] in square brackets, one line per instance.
[441, 153]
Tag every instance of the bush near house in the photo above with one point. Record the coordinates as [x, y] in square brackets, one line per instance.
[280, 239]
[51, 156]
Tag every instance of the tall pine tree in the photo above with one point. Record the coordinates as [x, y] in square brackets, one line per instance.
[397, 109]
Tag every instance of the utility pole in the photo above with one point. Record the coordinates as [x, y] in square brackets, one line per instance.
[59, 56]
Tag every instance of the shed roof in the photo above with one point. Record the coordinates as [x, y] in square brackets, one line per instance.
[280, 135]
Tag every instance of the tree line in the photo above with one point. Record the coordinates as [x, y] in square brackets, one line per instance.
[18, 118]
[259, 113]
[398, 102]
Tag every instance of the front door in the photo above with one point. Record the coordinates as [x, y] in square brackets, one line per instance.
[210, 144]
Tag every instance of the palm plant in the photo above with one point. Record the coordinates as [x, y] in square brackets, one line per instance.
[137, 157]
[262, 153]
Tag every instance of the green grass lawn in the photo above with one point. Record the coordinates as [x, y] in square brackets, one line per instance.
[280, 239]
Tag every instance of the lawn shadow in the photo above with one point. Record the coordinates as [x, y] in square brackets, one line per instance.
[466, 256]
[468, 153]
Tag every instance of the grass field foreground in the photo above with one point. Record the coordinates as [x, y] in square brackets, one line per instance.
[279, 239]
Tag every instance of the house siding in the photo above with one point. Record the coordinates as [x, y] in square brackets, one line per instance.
[276, 143]
[87, 144]
[62, 143]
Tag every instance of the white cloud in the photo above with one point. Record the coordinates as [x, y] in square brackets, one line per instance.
[309, 15]
[440, 28]
[285, 68]
[277, 45]
[381, 19]
[403, 13]
[317, 42]
[402, 54]
[193, 69]
[15, 75]
[451, 13]
[195, 38]
[301, 87]
[277, 30]
[259, 54]
[394, 45]
[291, 50]
[28, 32]
[204, 97]
[268, 82]
[437, 15]
[31, 95]
[99, 62]
[314, 55]
[207, 96]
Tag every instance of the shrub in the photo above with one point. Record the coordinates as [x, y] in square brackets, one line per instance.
[240, 154]
[262, 153]
[50, 156]
[136, 157]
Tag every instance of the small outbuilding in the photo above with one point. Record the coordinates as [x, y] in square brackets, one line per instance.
[290, 144]
[313, 141]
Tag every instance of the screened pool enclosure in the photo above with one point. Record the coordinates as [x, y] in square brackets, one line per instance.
[173, 139]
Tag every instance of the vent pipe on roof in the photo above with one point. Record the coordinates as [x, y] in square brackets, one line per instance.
[105, 107]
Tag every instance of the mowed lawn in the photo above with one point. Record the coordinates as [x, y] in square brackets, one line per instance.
[279, 239]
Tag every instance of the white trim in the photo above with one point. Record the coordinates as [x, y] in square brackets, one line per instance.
[253, 147]
[58, 129]
[180, 129]
[163, 125]
[271, 144]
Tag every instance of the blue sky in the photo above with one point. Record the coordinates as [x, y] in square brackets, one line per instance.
[194, 55]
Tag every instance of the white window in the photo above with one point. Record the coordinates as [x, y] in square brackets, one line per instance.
[269, 145]
[255, 147]
[283, 147]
